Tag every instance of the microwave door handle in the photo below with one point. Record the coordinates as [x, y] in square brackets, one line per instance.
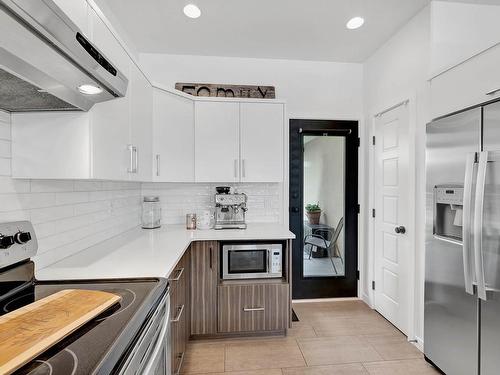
[268, 253]
[466, 225]
[478, 224]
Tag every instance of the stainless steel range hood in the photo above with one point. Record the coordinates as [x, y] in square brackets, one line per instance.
[44, 58]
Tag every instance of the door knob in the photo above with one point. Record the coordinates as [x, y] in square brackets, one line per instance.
[400, 230]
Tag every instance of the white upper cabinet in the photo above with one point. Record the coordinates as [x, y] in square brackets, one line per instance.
[216, 141]
[51, 145]
[173, 137]
[261, 136]
[113, 141]
[473, 82]
[141, 125]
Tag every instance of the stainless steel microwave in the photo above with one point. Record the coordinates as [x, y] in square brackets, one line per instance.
[252, 261]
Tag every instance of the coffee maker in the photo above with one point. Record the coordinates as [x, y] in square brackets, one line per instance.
[230, 209]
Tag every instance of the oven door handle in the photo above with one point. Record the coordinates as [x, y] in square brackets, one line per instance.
[156, 356]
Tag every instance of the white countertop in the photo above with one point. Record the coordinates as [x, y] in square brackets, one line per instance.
[148, 253]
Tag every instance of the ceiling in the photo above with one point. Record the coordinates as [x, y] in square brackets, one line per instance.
[281, 29]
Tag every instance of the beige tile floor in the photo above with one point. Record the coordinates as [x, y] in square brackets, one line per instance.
[332, 338]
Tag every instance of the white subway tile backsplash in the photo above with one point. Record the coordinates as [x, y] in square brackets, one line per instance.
[178, 199]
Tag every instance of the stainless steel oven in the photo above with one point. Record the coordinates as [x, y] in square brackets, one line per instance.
[252, 260]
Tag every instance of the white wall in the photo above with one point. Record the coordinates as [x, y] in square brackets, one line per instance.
[395, 72]
[320, 90]
[68, 215]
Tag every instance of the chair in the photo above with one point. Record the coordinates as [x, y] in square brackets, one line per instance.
[315, 241]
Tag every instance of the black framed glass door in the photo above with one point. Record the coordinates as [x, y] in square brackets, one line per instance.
[324, 207]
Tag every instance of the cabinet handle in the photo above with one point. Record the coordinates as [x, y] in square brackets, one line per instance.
[178, 277]
[136, 162]
[180, 310]
[210, 258]
[157, 164]
[235, 168]
[130, 168]
[181, 361]
[250, 309]
[493, 92]
[243, 168]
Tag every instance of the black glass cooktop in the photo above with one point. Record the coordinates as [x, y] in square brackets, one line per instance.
[100, 345]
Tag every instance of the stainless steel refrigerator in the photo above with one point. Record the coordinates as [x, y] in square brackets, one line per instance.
[462, 266]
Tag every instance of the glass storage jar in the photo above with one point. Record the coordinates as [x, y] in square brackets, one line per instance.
[151, 212]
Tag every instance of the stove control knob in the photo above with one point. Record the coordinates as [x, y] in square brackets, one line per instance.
[6, 241]
[22, 237]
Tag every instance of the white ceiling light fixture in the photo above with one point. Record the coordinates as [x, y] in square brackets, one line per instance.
[89, 89]
[192, 11]
[355, 23]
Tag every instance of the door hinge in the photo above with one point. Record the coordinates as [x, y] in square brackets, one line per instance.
[373, 212]
[357, 275]
[373, 285]
[359, 209]
[373, 140]
[359, 142]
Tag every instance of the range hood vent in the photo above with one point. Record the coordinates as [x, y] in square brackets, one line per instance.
[18, 95]
[45, 58]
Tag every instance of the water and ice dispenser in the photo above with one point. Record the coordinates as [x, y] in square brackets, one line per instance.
[448, 212]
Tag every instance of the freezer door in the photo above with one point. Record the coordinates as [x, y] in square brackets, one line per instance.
[490, 243]
[450, 318]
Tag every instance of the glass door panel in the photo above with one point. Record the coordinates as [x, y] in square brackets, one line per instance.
[324, 206]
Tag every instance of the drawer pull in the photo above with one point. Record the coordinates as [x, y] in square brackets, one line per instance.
[180, 310]
[493, 92]
[250, 309]
[178, 277]
[180, 356]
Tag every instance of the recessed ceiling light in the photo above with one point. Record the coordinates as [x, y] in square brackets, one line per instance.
[192, 11]
[355, 23]
[89, 89]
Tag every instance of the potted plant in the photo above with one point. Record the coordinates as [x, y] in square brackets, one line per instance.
[313, 213]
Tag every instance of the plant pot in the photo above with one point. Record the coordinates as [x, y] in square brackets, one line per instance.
[313, 217]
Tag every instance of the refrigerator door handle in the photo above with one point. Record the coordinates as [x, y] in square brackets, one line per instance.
[466, 225]
[478, 224]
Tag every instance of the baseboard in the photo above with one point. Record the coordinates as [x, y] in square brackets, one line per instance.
[325, 300]
[366, 298]
[419, 343]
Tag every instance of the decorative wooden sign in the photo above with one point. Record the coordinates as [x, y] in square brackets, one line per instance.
[227, 91]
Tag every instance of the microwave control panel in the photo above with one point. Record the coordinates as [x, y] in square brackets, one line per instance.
[276, 260]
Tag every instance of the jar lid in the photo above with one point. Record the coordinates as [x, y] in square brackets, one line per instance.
[151, 198]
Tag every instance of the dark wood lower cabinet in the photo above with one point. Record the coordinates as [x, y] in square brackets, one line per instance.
[179, 282]
[253, 307]
[204, 281]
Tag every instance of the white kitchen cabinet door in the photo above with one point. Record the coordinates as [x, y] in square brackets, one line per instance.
[110, 120]
[216, 141]
[141, 124]
[473, 82]
[51, 145]
[173, 137]
[261, 139]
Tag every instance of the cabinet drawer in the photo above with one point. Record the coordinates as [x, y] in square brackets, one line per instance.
[256, 307]
[179, 311]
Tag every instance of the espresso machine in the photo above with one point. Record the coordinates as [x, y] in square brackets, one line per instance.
[230, 209]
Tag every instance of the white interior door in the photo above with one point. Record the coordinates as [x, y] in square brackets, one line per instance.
[392, 204]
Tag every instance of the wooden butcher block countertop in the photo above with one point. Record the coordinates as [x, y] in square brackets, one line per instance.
[29, 331]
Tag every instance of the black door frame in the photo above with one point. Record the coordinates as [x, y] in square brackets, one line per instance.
[337, 286]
